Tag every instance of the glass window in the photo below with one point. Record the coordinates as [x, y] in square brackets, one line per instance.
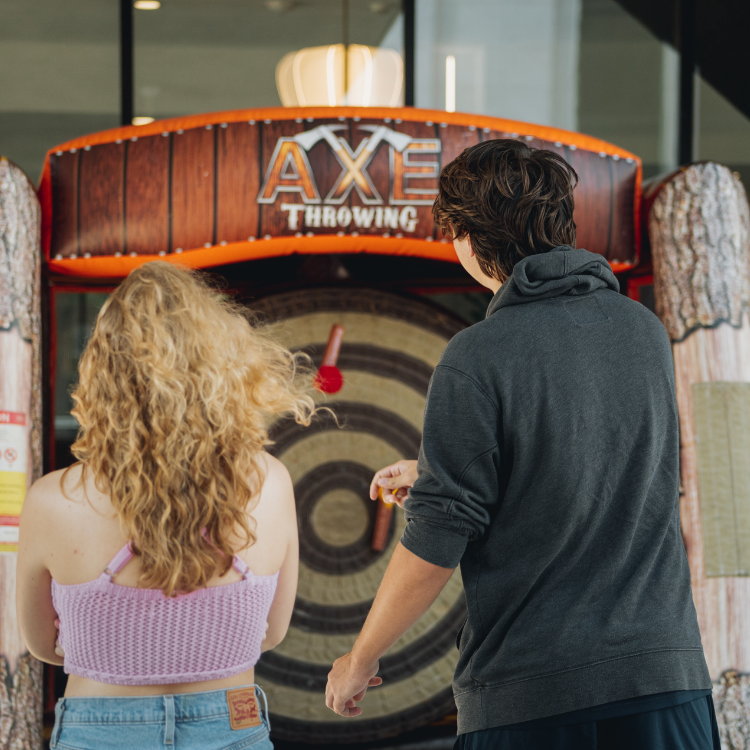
[723, 132]
[629, 85]
[196, 56]
[75, 315]
[585, 65]
[59, 75]
[513, 58]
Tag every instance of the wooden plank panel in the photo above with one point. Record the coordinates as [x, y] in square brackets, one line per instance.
[428, 130]
[147, 195]
[327, 168]
[274, 221]
[593, 198]
[455, 139]
[327, 172]
[101, 216]
[193, 188]
[364, 218]
[217, 172]
[238, 181]
[554, 146]
[622, 246]
[64, 172]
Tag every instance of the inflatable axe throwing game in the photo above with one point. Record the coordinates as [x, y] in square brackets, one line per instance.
[320, 219]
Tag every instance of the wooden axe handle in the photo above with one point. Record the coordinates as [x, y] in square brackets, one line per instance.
[331, 355]
[382, 523]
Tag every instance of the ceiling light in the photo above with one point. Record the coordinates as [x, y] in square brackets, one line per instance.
[280, 6]
[450, 83]
[147, 4]
[336, 75]
[142, 120]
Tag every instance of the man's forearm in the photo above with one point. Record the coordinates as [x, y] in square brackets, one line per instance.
[409, 587]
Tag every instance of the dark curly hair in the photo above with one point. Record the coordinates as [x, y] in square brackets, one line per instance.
[510, 199]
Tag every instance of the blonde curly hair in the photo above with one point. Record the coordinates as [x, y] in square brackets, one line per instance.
[175, 389]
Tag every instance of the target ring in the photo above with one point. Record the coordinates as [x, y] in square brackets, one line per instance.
[316, 549]
[390, 348]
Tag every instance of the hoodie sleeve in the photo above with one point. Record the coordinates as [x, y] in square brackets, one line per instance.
[450, 503]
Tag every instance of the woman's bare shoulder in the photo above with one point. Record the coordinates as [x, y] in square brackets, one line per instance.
[47, 508]
[276, 473]
[50, 489]
[277, 493]
[61, 495]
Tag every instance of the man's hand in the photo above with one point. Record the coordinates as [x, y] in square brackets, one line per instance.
[395, 481]
[409, 587]
[348, 683]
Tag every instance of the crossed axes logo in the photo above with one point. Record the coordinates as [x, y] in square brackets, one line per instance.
[290, 171]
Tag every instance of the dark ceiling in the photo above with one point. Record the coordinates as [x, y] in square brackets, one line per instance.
[722, 50]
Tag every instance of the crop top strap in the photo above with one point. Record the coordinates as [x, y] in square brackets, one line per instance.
[119, 561]
[241, 567]
[238, 563]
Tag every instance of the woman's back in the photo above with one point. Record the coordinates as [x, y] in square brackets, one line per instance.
[78, 533]
[86, 532]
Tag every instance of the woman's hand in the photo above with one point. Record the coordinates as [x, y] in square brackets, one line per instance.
[395, 481]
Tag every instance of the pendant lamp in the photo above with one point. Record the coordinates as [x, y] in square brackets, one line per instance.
[341, 75]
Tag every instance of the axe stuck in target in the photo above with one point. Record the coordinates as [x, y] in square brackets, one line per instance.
[330, 380]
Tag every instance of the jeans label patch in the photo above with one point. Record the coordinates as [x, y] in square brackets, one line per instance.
[243, 708]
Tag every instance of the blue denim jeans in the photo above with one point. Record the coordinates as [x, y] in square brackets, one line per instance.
[187, 721]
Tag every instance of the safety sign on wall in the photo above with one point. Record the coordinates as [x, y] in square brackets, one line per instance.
[13, 459]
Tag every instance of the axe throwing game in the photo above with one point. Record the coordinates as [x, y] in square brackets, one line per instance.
[320, 220]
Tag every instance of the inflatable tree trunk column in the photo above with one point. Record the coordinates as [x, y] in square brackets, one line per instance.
[20, 442]
[699, 227]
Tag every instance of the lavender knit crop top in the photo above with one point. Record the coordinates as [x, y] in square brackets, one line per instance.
[130, 636]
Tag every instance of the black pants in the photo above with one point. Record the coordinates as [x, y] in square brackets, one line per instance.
[689, 726]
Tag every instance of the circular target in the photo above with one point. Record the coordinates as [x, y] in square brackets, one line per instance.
[390, 347]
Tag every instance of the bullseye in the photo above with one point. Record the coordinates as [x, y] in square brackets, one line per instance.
[340, 518]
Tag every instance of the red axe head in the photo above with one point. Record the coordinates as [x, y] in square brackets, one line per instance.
[329, 378]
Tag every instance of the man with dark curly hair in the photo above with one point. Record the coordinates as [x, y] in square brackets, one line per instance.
[549, 470]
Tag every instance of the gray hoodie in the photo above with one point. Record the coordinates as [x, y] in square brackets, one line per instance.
[549, 469]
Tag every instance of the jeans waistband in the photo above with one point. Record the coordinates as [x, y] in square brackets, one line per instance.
[166, 709]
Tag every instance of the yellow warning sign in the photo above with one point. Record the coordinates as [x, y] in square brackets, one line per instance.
[12, 493]
[13, 460]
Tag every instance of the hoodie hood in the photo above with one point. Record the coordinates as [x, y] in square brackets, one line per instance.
[562, 270]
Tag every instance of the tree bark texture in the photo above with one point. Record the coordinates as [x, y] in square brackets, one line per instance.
[732, 697]
[698, 226]
[20, 391]
[699, 229]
